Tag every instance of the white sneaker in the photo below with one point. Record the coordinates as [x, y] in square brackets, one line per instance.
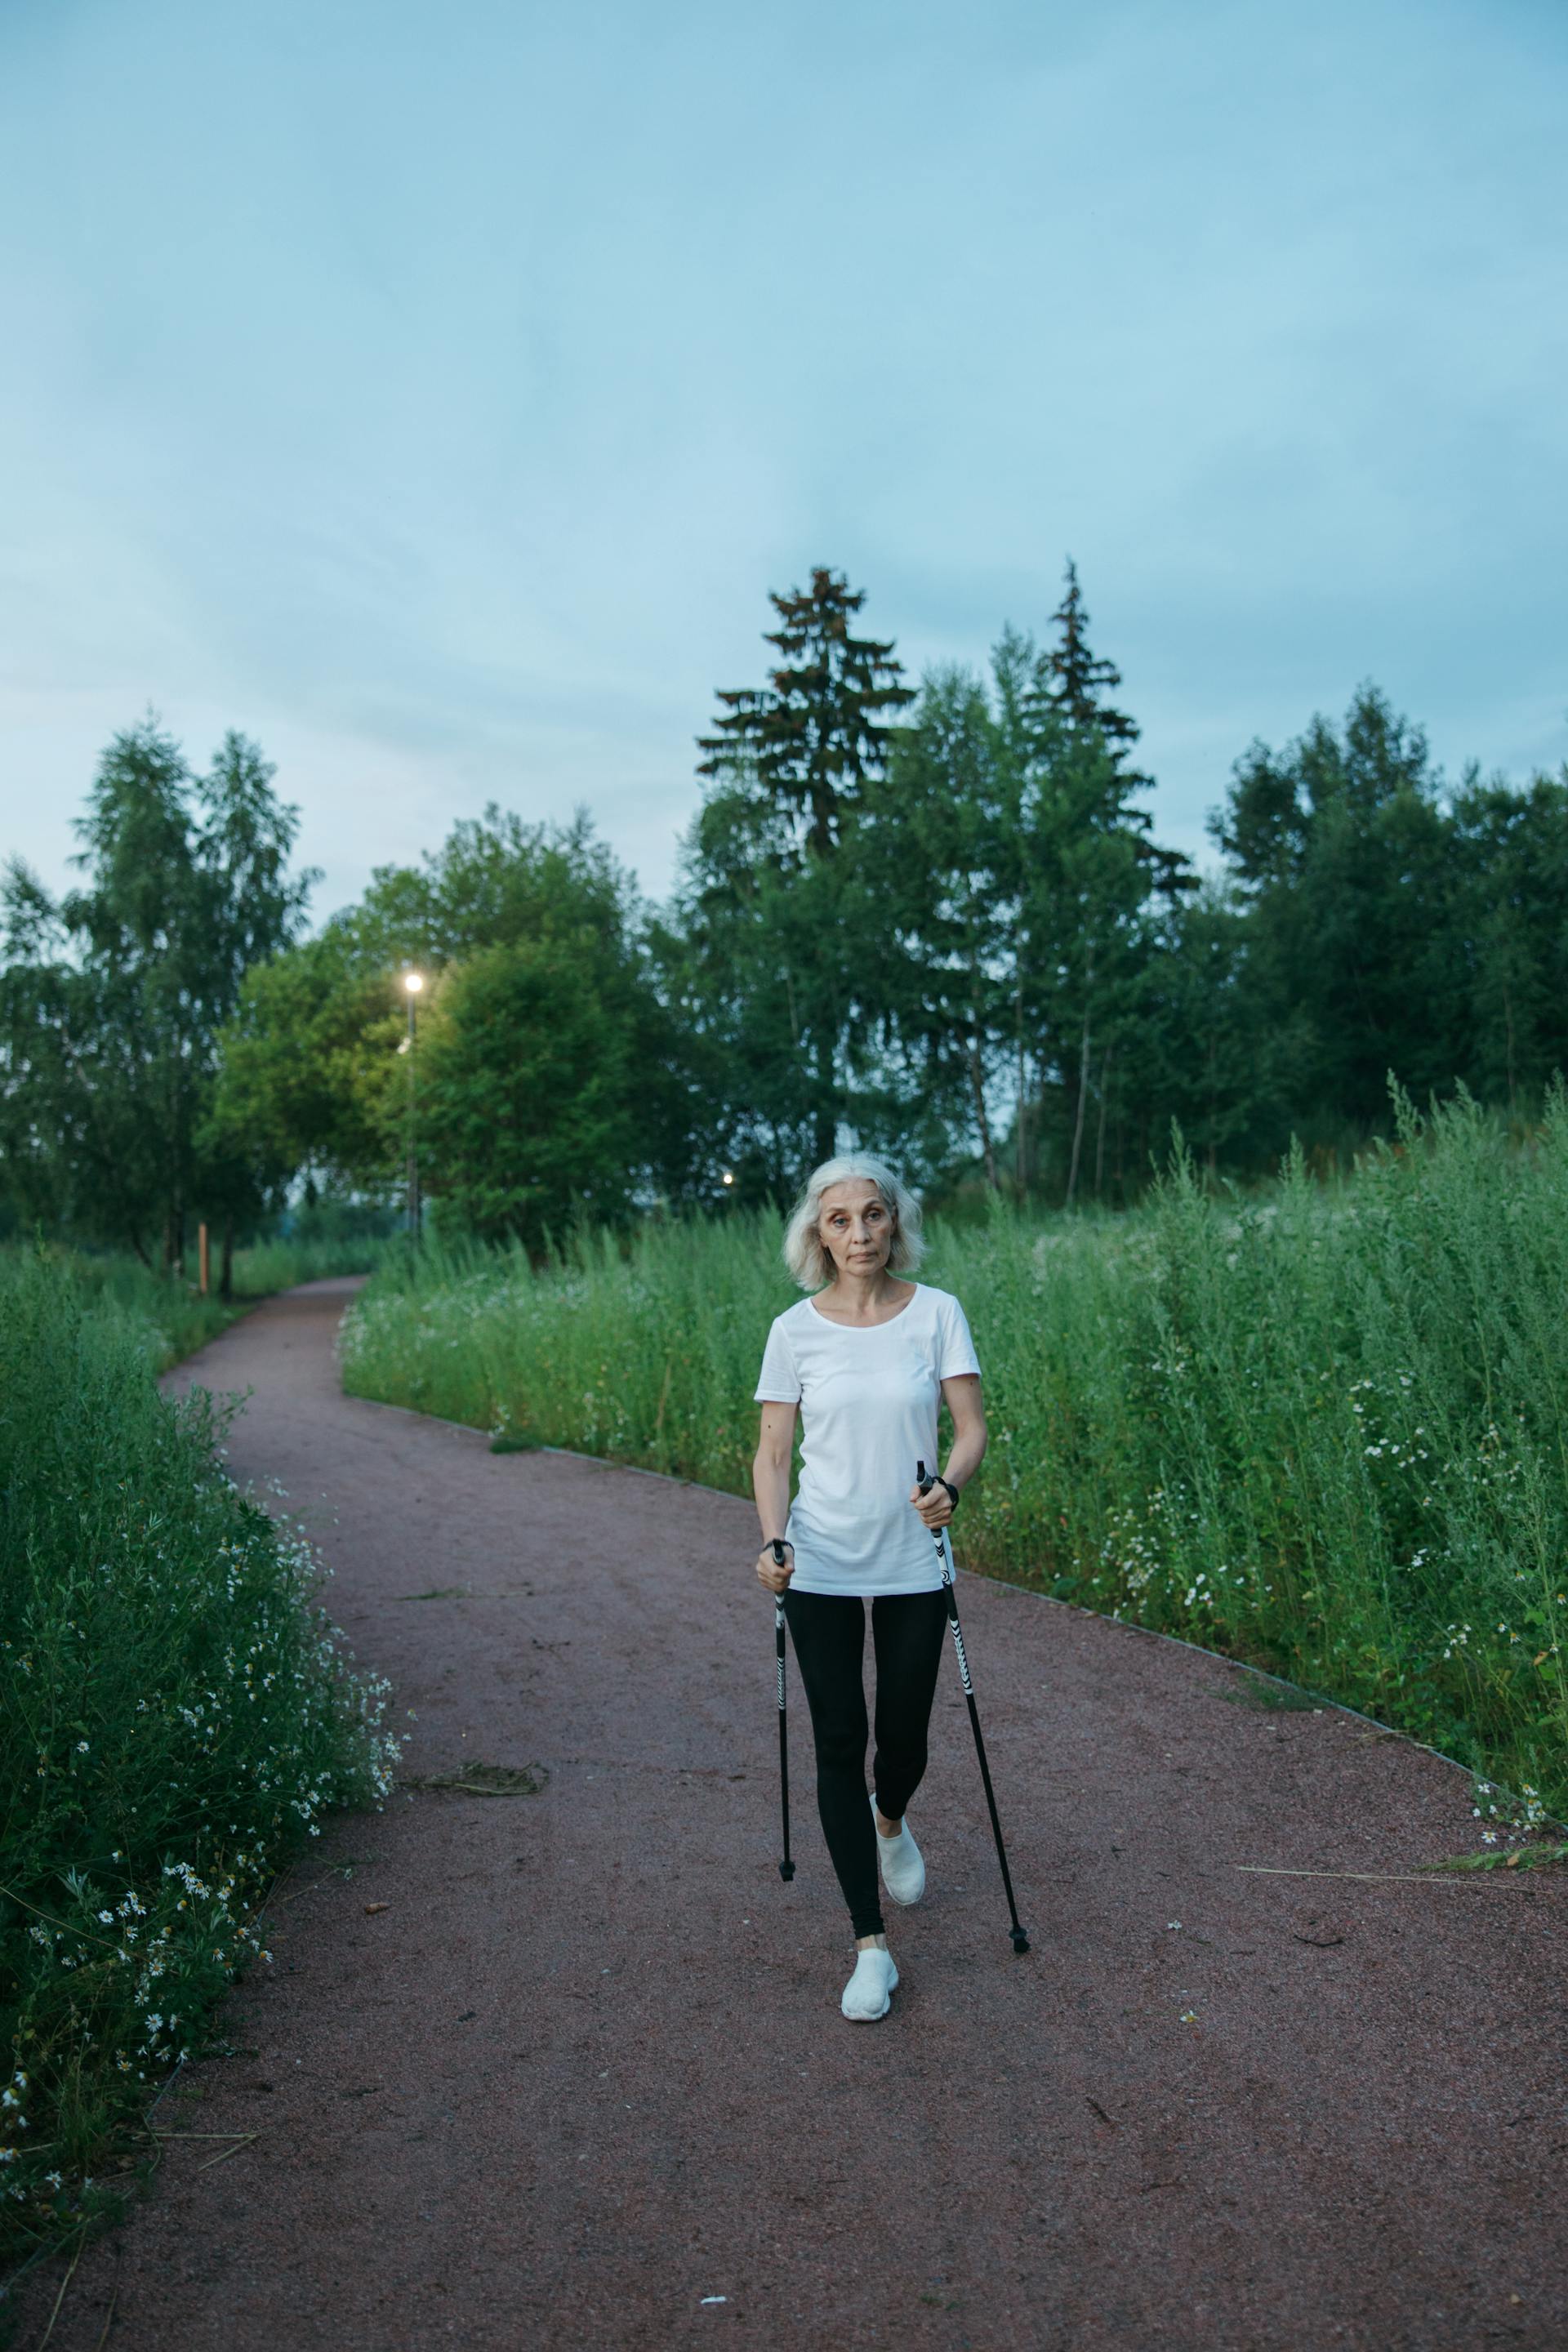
[901, 1863]
[866, 1994]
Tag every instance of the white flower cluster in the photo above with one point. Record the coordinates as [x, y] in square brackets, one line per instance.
[1518, 1816]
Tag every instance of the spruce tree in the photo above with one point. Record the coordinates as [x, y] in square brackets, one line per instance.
[810, 737]
[1093, 870]
[768, 886]
[1076, 682]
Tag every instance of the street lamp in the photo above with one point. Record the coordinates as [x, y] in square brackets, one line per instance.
[413, 982]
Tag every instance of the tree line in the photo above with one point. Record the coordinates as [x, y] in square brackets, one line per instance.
[930, 919]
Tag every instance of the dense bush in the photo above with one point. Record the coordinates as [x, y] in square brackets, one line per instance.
[176, 1720]
[1322, 1429]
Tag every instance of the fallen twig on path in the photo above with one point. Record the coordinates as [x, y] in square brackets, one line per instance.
[240, 2139]
[483, 1780]
[1273, 1870]
[61, 2296]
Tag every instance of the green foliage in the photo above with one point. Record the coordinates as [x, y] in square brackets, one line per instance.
[309, 1074]
[932, 924]
[277, 1263]
[887, 926]
[177, 1719]
[767, 935]
[1381, 923]
[112, 1002]
[529, 1090]
[1323, 1431]
[548, 1075]
[807, 743]
[169, 1314]
[963, 946]
[643, 1346]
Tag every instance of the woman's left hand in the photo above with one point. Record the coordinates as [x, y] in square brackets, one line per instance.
[935, 1506]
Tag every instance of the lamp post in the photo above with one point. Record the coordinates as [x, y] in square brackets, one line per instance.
[413, 982]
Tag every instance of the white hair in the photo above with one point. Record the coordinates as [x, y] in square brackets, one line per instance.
[804, 1252]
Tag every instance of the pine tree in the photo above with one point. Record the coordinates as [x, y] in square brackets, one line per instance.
[767, 882]
[1076, 682]
[810, 737]
[1094, 868]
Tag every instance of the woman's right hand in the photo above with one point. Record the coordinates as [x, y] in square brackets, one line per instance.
[770, 1573]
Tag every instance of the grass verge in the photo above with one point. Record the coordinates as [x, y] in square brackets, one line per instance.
[172, 1314]
[1323, 1431]
[178, 1717]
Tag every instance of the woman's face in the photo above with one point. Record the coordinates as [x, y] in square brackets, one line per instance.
[856, 1226]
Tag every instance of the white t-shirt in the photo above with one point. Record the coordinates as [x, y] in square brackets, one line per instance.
[869, 1396]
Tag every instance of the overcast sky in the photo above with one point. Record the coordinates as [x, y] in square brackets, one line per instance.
[436, 392]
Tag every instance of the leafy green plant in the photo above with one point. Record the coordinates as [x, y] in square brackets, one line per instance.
[1320, 1429]
[178, 1717]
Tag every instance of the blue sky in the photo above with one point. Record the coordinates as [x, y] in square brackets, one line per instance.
[435, 394]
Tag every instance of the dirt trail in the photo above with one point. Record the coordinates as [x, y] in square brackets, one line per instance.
[582, 2081]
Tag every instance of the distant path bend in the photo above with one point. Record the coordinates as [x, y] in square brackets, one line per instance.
[582, 2081]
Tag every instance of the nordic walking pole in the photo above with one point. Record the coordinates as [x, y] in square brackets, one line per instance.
[944, 1560]
[786, 1867]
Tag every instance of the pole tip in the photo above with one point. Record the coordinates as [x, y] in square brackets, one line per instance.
[1020, 1941]
[786, 1871]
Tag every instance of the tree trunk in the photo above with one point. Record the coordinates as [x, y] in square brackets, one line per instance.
[980, 1118]
[226, 1280]
[1023, 1154]
[824, 1118]
[1099, 1142]
[1082, 1099]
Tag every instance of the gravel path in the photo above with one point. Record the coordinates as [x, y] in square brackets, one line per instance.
[567, 2069]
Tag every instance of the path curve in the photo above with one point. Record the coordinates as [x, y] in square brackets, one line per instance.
[583, 2075]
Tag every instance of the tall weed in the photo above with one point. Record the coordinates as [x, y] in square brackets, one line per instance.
[1324, 1429]
[173, 1315]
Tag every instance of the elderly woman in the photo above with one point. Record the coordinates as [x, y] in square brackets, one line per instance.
[865, 1362]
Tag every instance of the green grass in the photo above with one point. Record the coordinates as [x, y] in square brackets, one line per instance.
[1324, 1429]
[178, 1717]
[271, 1266]
[172, 1315]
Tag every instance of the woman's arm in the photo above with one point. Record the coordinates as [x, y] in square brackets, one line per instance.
[963, 1401]
[770, 1484]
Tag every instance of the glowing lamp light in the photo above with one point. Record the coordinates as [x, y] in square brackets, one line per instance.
[413, 981]
[727, 1178]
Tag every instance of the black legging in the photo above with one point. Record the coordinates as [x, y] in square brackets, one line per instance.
[829, 1631]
